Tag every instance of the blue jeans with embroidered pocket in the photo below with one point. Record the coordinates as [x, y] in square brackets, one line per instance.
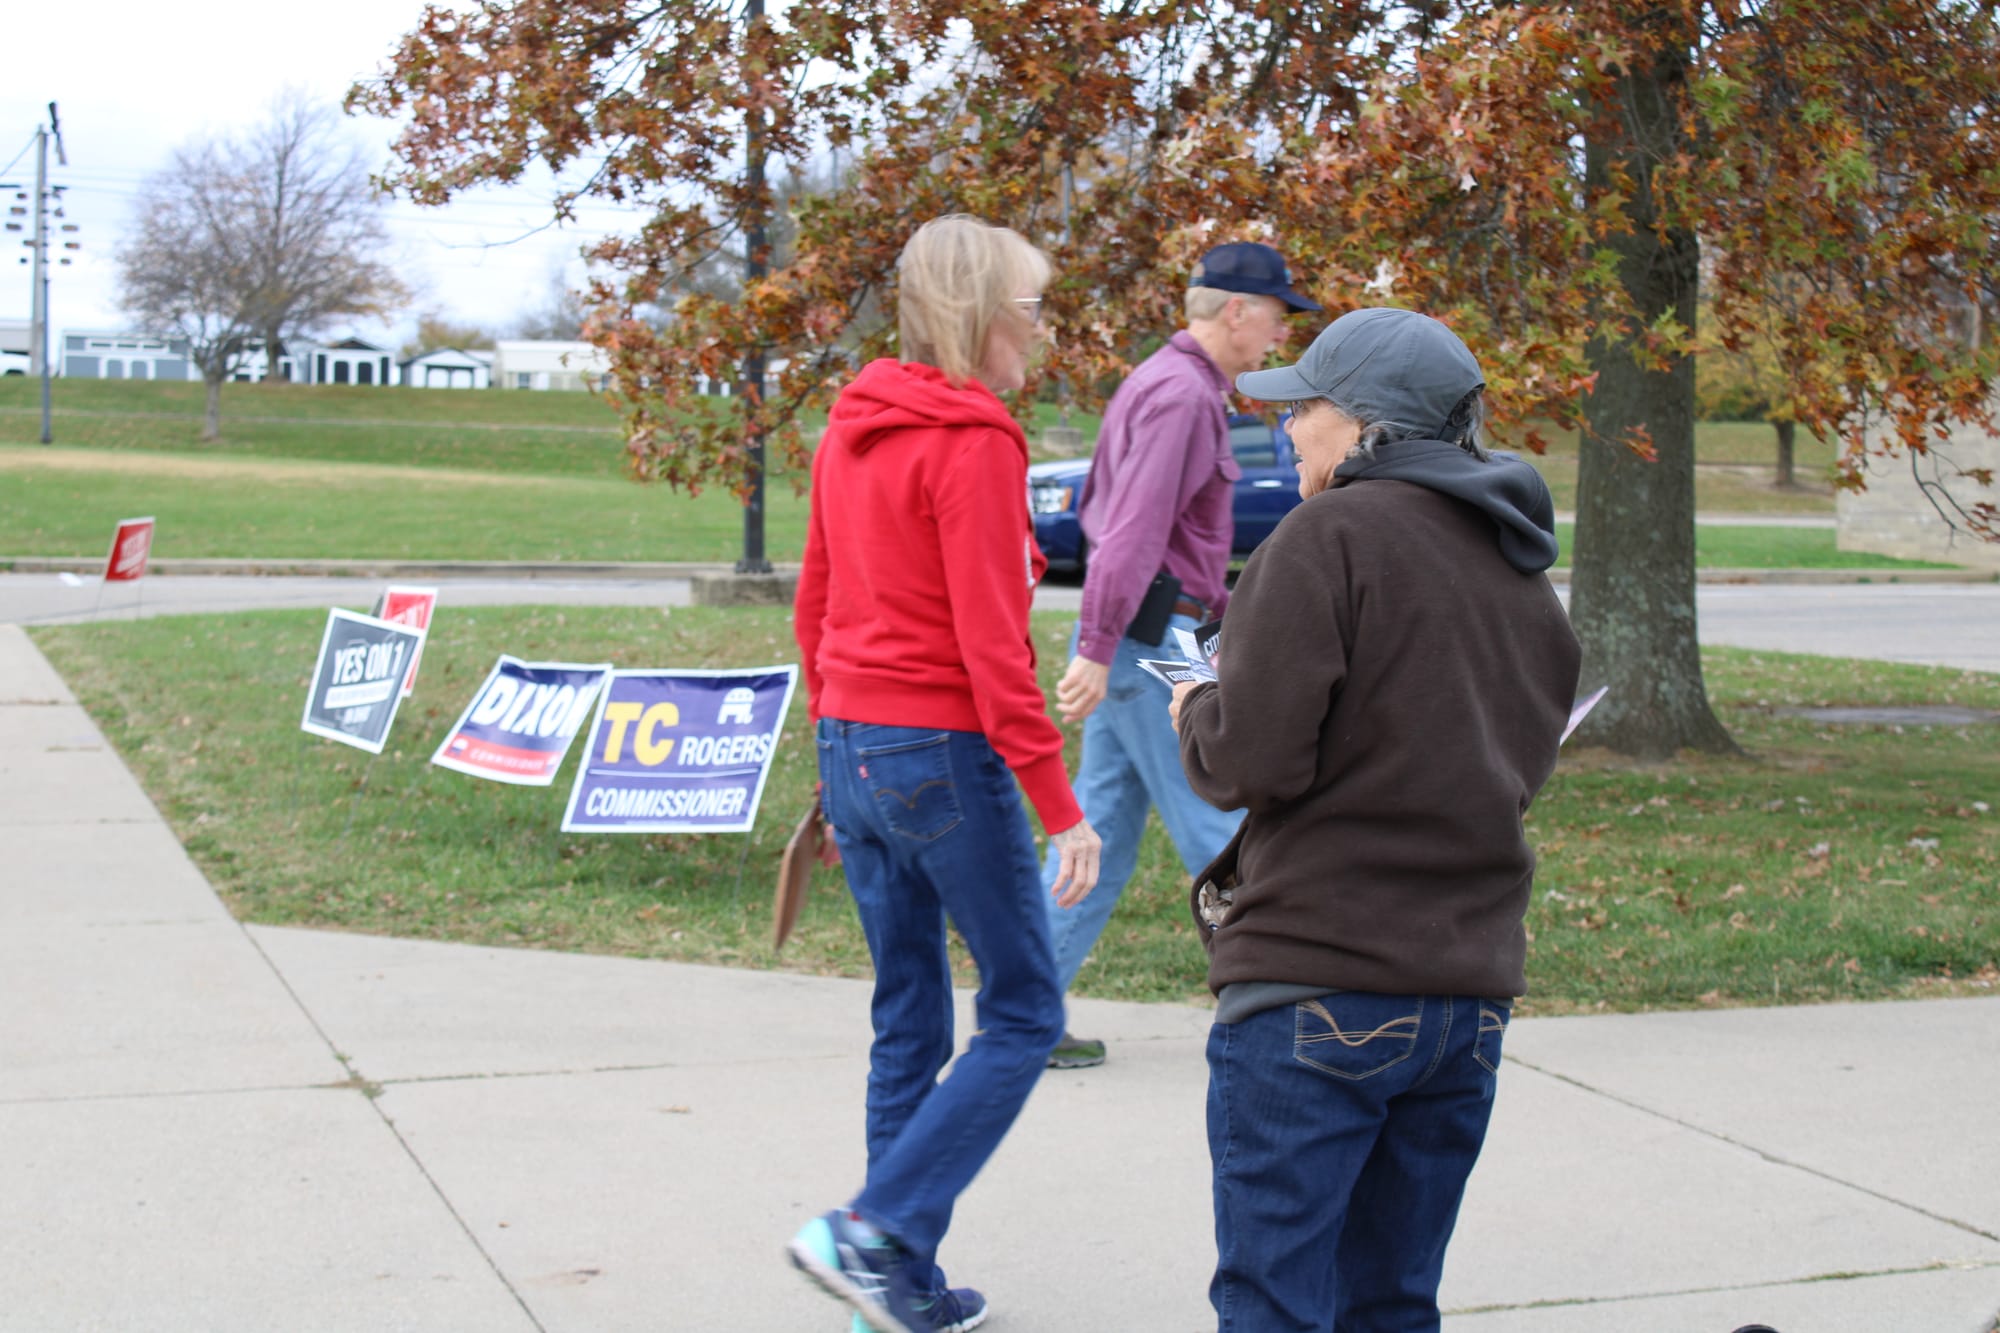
[1342, 1130]
[931, 826]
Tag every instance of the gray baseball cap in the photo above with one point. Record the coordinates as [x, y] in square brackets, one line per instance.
[1377, 365]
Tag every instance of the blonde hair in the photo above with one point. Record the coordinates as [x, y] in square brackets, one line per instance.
[955, 277]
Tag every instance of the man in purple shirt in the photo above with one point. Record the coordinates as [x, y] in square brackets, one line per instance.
[1158, 501]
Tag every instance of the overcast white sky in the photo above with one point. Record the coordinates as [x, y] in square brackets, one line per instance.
[134, 80]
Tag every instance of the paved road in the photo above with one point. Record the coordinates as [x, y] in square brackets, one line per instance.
[1937, 624]
[1940, 624]
[53, 599]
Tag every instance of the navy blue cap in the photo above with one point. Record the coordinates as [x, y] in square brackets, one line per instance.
[1245, 266]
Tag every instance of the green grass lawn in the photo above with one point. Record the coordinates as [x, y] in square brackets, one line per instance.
[328, 472]
[65, 502]
[323, 472]
[1857, 862]
[1730, 547]
[1735, 466]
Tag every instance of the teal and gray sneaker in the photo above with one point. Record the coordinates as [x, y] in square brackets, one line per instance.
[859, 1265]
[1076, 1053]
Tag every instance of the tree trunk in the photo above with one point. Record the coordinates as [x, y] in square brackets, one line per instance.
[1786, 430]
[211, 426]
[272, 375]
[1632, 593]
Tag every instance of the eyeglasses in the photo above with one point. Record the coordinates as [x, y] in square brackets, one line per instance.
[1034, 307]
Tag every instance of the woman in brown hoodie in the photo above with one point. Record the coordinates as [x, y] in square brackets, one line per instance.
[1395, 672]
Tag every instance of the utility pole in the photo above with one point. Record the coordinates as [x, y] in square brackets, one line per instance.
[38, 336]
[754, 268]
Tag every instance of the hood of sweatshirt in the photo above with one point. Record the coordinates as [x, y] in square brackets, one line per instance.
[893, 395]
[1504, 488]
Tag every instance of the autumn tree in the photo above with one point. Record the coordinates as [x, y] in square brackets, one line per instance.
[187, 269]
[1542, 176]
[306, 200]
[435, 330]
[1745, 383]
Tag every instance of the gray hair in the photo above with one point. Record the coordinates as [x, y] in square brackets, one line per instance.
[1463, 427]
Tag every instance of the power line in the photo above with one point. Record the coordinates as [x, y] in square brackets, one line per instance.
[18, 156]
[523, 213]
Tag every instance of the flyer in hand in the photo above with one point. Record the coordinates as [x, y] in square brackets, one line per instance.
[1176, 673]
[1582, 710]
[1197, 653]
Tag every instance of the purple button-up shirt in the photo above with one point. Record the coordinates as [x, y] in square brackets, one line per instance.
[1160, 494]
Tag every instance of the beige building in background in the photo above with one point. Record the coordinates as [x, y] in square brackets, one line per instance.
[549, 365]
[1893, 517]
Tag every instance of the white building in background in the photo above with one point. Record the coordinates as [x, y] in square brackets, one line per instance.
[1896, 517]
[448, 368]
[121, 354]
[549, 365]
[16, 335]
[349, 361]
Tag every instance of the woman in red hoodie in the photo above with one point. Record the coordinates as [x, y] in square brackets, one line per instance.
[912, 621]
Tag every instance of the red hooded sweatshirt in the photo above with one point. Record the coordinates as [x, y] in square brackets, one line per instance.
[920, 568]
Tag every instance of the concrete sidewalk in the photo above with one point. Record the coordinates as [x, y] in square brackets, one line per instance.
[208, 1126]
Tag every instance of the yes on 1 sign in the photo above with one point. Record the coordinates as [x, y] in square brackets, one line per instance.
[680, 751]
[131, 547]
[355, 683]
[518, 727]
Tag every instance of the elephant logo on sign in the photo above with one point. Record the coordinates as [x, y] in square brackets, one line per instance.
[736, 706]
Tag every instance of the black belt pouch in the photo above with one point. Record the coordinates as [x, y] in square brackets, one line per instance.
[1149, 626]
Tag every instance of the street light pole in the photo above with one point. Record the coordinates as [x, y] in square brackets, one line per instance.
[754, 268]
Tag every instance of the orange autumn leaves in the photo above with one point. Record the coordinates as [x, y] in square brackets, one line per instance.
[1431, 159]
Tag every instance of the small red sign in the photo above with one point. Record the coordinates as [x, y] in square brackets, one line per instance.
[408, 606]
[131, 545]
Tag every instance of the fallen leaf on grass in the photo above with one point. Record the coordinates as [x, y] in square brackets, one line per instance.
[1734, 890]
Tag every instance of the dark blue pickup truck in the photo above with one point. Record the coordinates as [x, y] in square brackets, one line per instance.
[1267, 492]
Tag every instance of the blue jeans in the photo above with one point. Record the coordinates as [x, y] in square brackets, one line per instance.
[930, 824]
[1341, 1131]
[1131, 763]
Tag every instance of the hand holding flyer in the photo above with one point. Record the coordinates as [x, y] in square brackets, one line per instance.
[1197, 652]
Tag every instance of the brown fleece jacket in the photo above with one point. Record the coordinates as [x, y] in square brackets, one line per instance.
[1392, 693]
